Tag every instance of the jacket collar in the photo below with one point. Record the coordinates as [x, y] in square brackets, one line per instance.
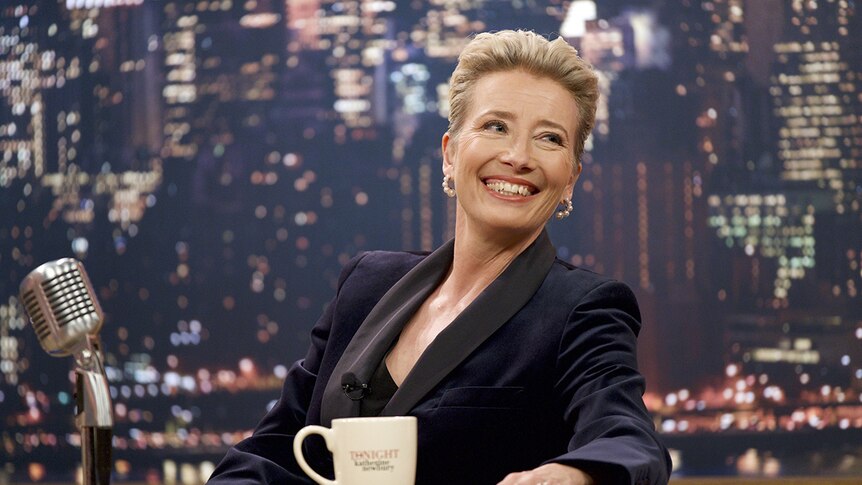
[489, 311]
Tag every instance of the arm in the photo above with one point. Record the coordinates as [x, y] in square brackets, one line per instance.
[613, 435]
[613, 438]
[267, 456]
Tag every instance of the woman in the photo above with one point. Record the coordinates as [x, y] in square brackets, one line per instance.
[520, 368]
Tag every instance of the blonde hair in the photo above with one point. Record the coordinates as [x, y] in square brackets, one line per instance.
[509, 50]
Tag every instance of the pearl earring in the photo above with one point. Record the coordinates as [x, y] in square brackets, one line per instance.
[447, 189]
[566, 210]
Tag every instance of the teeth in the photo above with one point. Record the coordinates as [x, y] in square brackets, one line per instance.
[507, 188]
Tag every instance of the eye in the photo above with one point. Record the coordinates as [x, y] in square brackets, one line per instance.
[495, 126]
[553, 138]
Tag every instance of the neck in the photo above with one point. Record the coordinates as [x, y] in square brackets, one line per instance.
[481, 256]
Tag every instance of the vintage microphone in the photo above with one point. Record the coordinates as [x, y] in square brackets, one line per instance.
[66, 316]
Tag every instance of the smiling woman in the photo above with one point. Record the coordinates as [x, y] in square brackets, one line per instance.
[512, 161]
[519, 367]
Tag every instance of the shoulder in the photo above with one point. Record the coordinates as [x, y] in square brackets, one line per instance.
[576, 279]
[385, 262]
[584, 287]
[377, 270]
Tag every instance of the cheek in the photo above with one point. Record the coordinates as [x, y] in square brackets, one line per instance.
[562, 174]
[478, 149]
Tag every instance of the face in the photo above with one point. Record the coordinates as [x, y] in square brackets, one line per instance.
[512, 160]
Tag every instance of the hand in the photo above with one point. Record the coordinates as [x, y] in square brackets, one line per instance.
[550, 474]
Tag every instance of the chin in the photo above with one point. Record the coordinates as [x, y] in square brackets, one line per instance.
[506, 227]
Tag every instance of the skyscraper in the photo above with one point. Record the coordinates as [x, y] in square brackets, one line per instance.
[816, 92]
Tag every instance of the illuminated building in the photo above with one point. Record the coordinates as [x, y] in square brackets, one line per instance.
[22, 126]
[35, 64]
[816, 99]
[353, 37]
[797, 349]
[815, 92]
[765, 227]
[60, 103]
[713, 36]
[212, 84]
[12, 362]
[179, 89]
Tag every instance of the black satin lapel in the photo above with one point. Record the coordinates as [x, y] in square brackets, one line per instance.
[501, 300]
[380, 329]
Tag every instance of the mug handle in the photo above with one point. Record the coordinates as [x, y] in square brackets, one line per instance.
[300, 458]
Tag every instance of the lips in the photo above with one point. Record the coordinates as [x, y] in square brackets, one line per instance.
[510, 188]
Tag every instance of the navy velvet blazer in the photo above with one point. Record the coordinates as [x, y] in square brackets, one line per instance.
[540, 368]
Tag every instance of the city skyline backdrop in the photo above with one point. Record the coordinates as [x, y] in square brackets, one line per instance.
[213, 163]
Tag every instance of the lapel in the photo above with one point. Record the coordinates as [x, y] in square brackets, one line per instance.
[489, 311]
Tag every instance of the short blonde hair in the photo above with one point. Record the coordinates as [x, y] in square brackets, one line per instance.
[509, 50]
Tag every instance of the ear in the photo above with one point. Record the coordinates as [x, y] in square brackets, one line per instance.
[448, 166]
[573, 178]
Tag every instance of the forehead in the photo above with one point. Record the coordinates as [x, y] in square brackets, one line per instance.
[530, 98]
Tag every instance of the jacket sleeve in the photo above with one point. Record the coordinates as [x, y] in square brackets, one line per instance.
[266, 457]
[613, 438]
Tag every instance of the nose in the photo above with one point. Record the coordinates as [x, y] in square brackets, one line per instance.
[517, 154]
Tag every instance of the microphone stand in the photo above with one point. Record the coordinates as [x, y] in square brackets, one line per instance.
[94, 417]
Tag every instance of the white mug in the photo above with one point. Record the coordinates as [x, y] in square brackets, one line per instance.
[379, 451]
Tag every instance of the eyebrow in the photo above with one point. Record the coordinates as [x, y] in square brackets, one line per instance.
[506, 115]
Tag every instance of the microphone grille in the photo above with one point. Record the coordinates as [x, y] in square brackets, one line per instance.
[31, 305]
[59, 299]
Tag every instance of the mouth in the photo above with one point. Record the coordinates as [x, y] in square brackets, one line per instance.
[503, 187]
